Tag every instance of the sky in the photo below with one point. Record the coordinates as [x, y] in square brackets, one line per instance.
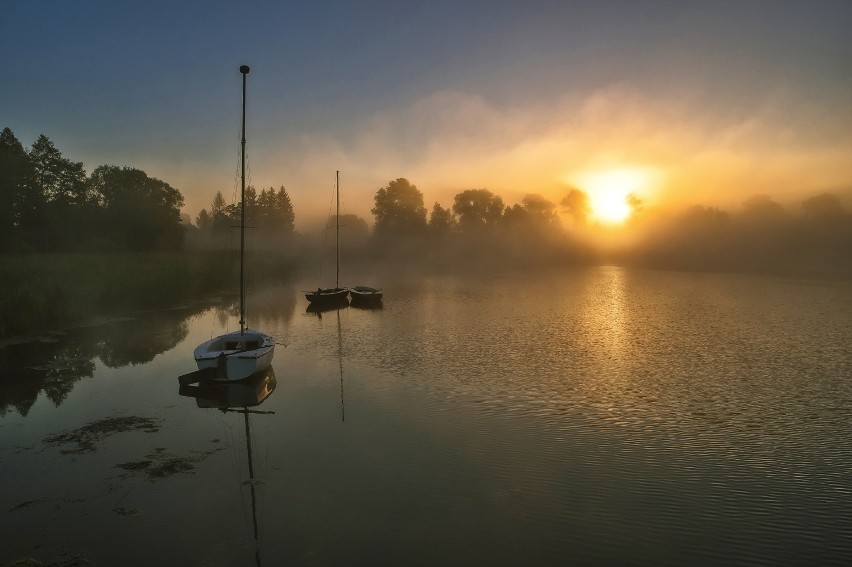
[679, 102]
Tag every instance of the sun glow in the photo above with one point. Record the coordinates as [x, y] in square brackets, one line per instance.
[608, 192]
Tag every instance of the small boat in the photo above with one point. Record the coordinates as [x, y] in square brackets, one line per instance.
[243, 353]
[332, 296]
[364, 295]
[328, 296]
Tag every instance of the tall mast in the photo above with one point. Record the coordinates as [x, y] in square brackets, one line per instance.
[337, 233]
[244, 69]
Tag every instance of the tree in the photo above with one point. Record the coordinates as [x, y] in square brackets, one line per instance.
[14, 175]
[139, 212]
[60, 180]
[826, 206]
[354, 231]
[203, 221]
[477, 208]
[541, 211]
[59, 188]
[576, 205]
[219, 214]
[284, 208]
[399, 209]
[762, 209]
[442, 221]
[635, 203]
[275, 211]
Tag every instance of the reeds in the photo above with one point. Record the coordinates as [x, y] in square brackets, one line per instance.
[43, 291]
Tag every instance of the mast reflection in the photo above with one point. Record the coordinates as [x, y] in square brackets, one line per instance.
[238, 397]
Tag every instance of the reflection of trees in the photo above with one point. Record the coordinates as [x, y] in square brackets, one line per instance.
[55, 367]
[65, 369]
[141, 341]
[264, 307]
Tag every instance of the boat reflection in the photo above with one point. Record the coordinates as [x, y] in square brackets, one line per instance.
[371, 305]
[319, 308]
[238, 397]
[244, 394]
[340, 365]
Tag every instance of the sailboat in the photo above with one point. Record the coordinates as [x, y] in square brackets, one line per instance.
[333, 296]
[240, 354]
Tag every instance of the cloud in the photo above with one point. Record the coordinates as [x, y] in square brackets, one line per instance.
[448, 141]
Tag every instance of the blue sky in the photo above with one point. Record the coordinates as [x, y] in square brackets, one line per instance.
[718, 99]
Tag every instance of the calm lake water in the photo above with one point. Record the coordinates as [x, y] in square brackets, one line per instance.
[593, 417]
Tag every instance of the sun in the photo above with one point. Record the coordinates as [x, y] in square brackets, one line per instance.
[608, 192]
[610, 205]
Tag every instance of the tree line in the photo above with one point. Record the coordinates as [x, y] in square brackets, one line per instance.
[269, 214]
[478, 227]
[763, 236]
[48, 203]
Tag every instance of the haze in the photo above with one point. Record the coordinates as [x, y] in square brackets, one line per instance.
[706, 103]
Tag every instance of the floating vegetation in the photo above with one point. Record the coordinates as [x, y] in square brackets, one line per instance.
[85, 439]
[137, 466]
[22, 505]
[30, 562]
[161, 464]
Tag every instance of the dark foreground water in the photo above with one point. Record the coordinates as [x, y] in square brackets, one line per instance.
[594, 417]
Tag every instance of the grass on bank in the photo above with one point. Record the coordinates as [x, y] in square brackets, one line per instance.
[44, 291]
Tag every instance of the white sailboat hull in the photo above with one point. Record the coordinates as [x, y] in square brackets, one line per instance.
[237, 355]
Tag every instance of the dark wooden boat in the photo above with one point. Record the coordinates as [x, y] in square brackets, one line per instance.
[364, 295]
[330, 296]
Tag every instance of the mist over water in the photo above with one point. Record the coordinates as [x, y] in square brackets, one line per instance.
[595, 416]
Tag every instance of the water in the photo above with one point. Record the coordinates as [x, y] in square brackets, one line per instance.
[597, 416]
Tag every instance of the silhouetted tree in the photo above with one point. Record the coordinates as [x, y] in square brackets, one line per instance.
[442, 222]
[203, 221]
[635, 204]
[63, 193]
[14, 174]
[275, 211]
[576, 205]
[541, 211]
[60, 180]
[399, 209]
[140, 212]
[826, 206]
[762, 209]
[354, 231]
[219, 213]
[477, 209]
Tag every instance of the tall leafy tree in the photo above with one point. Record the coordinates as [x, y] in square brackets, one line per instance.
[442, 221]
[541, 211]
[477, 209]
[576, 205]
[399, 209]
[141, 212]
